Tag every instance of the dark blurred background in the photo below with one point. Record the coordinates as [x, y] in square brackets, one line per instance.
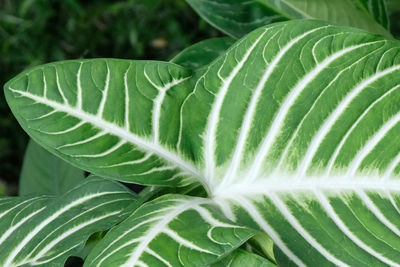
[33, 32]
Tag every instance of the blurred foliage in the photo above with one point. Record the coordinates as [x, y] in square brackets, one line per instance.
[34, 32]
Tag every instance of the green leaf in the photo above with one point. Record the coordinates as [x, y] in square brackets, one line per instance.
[263, 245]
[194, 189]
[376, 8]
[236, 18]
[239, 258]
[293, 131]
[172, 230]
[70, 108]
[44, 231]
[91, 242]
[239, 17]
[46, 174]
[300, 140]
[202, 53]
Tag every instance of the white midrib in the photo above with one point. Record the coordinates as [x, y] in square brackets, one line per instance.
[119, 132]
[285, 183]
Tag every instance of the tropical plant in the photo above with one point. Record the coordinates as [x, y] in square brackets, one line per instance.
[280, 148]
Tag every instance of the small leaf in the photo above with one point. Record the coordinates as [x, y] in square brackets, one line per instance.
[46, 174]
[263, 244]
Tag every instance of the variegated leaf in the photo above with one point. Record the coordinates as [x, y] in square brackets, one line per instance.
[44, 231]
[173, 230]
[293, 131]
[115, 118]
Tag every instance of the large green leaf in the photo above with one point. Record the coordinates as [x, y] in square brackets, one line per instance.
[238, 17]
[44, 231]
[306, 144]
[46, 174]
[172, 230]
[86, 111]
[293, 131]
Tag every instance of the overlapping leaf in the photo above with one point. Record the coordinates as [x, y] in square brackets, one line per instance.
[292, 131]
[239, 17]
[44, 231]
[173, 230]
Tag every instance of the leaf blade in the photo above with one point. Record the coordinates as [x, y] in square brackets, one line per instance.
[45, 174]
[187, 224]
[53, 230]
[241, 257]
[275, 118]
[120, 146]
